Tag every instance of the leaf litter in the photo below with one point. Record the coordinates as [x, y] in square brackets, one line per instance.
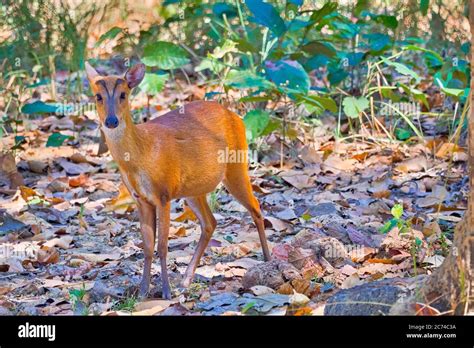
[71, 244]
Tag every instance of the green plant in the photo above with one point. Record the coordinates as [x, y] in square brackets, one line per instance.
[397, 221]
[214, 200]
[127, 304]
[77, 297]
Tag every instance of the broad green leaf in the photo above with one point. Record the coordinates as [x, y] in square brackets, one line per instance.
[388, 21]
[397, 211]
[337, 75]
[56, 139]
[153, 83]
[402, 69]
[354, 106]
[255, 123]
[246, 79]
[378, 42]
[288, 74]
[265, 14]
[39, 107]
[317, 47]
[319, 102]
[453, 92]
[271, 126]
[164, 55]
[112, 33]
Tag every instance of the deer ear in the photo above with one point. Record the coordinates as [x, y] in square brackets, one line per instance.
[91, 72]
[135, 75]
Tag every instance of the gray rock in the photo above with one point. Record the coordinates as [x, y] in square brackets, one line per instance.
[374, 298]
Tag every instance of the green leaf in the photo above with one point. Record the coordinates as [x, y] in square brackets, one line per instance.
[418, 48]
[335, 76]
[397, 211]
[39, 107]
[265, 14]
[354, 106]
[378, 42]
[109, 35]
[253, 99]
[388, 226]
[402, 69]
[288, 74]
[388, 21]
[164, 55]
[424, 4]
[153, 83]
[246, 79]
[416, 93]
[403, 134]
[319, 102]
[317, 47]
[271, 126]
[56, 139]
[328, 8]
[453, 92]
[248, 306]
[255, 123]
[360, 6]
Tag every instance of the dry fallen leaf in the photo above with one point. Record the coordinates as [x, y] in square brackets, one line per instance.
[47, 255]
[416, 164]
[187, 214]
[152, 307]
[297, 179]
[63, 242]
[122, 203]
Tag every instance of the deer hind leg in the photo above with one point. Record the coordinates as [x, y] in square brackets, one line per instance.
[237, 182]
[208, 224]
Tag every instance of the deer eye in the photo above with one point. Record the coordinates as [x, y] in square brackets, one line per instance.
[98, 97]
[123, 96]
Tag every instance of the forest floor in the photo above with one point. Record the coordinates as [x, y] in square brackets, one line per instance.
[69, 246]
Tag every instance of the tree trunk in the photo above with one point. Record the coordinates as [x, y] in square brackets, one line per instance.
[451, 285]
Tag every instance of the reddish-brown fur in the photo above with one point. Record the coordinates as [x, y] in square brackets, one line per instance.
[175, 156]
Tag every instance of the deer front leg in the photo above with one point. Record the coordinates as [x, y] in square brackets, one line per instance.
[147, 216]
[163, 232]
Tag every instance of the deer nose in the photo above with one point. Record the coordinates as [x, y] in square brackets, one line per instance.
[111, 122]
